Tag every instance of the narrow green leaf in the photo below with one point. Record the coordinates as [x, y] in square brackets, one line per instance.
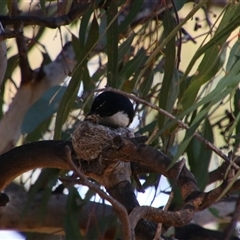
[179, 4]
[236, 112]
[135, 8]
[42, 5]
[230, 21]
[67, 102]
[199, 155]
[193, 128]
[88, 83]
[131, 69]
[169, 67]
[155, 53]
[234, 126]
[147, 81]
[71, 220]
[100, 227]
[229, 185]
[47, 193]
[38, 133]
[207, 69]
[3, 7]
[112, 44]
[45, 107]
[45, 176]
[78, 49]
[84, 27]
[224, 87]
[9, 6]
[149, 127]
[68, 6]
[233, 56]
[125, 47]
[69, 96]
[93, 36]
[215, 212]
[11, 65]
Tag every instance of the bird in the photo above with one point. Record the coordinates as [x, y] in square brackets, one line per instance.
[112, 110]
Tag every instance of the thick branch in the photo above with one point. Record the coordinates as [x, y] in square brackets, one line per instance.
[45, 154]
[110, 147]
[90, 216]
[119, 208]
[177, 218]
[53, 221]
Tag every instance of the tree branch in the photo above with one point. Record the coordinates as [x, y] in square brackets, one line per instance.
[45, 154]
[49, 75]
[26, 71]
[112, 148]
[128, 233]
[51, 22]
[53, 221]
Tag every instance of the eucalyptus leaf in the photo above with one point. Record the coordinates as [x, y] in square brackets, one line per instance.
[45, 107]
[168, 80]
[234, 55]
[112, 44]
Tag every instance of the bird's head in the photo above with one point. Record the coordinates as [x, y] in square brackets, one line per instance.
[112, 110]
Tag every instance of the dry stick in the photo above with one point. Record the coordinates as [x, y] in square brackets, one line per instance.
[159, 227]
[26, 72]
[50, 22]
[182, 124]
[128, 233]
[232, 225]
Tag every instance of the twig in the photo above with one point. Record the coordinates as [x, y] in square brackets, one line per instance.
[182, 124]
[26, 71]
[128, 233]
[51, 22]
[159, 227]
[10, 34]
[178, 218]
[232, 225]
[179, 49]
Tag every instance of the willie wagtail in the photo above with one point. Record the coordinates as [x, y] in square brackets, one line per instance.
[112, 110]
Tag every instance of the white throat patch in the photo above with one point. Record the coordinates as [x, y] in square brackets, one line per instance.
[119, 119]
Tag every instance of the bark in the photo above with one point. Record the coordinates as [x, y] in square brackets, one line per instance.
[90, 216]
[50, 75]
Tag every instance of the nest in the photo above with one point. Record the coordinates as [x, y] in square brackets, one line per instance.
[90, 139]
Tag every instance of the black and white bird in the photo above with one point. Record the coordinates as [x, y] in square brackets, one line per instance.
[112, 110]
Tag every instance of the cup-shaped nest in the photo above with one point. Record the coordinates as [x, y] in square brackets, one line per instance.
[90, 139]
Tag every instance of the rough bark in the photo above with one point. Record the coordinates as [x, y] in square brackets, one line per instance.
[51, 75]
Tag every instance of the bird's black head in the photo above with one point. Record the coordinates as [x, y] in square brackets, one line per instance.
[114, 109]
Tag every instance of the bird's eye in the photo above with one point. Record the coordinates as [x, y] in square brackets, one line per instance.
[101, 105]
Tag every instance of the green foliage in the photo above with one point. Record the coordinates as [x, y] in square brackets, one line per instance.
[169, 81]
[112, 43]
[45, 107]
[199, 155]
[73, 206]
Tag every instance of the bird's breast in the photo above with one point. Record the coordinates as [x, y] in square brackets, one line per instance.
[119, 119]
